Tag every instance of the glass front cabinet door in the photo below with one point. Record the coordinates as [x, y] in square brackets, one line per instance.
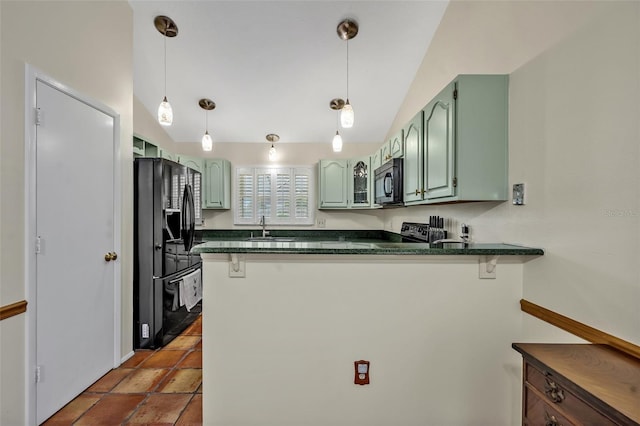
[360, 182]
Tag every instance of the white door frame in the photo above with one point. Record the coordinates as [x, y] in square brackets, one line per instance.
[32, 75]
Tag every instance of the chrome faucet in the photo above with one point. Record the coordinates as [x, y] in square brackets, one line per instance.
[263, 223]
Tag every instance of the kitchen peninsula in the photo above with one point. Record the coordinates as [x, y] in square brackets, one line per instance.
[285, 319]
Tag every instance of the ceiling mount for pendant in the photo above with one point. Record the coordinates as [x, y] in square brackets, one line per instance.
[206, 104]
[272, 137]
[166, 26]
[347, 29]
[336, 104]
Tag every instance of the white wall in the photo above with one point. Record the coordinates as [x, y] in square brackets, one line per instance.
[573, 140]
[279, 345]
[88, 47]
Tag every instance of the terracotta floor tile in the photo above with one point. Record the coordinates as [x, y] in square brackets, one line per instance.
[163, 359]
[137, 358]
[195, 328]
[182, 381]
[183, 343]
[160, 409]
[110, 410]
[192, 415]
[109, 380]
[70, 412]
[141, 380]
[192, 360]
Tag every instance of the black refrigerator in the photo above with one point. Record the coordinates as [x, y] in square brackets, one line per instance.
[167, 285]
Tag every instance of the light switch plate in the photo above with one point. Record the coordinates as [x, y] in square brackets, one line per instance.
[518, 194]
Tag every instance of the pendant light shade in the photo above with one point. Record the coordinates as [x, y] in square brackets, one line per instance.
[338, 105]
[337, 142]
[347, 30]
[207, 105]
[271, 137]
[167, 28]
[346, 116]
[165, 113]
[207, 142]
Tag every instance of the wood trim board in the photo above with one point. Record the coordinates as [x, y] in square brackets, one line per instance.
[13, 309]
[579, 329]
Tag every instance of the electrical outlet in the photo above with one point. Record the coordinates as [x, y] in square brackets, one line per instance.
[518, 194]
[145, 331]
[321, 222]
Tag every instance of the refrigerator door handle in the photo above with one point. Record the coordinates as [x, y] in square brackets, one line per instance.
[188, 214]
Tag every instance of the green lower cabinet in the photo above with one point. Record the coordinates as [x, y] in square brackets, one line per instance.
[459, 150]
[217, 184]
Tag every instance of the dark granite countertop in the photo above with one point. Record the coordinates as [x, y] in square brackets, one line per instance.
[344, 242]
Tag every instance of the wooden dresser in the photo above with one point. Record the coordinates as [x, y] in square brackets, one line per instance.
[578, 384]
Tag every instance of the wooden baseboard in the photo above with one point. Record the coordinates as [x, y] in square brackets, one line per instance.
[13, 309]
[581, 330]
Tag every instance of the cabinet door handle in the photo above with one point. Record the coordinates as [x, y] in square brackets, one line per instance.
[550, 420]
[417, 192]
[553, 391]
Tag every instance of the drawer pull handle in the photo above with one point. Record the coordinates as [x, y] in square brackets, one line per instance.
[553, 391]
[550, 420]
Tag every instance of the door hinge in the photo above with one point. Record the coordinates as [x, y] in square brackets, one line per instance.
[38, 116]
[38, 245]
[38, 374]
[455, 182]
[455, 94]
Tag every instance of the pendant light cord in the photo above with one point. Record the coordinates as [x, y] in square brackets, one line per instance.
[165, 63]
[347, 69]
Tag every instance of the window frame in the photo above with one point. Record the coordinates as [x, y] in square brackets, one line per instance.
[252, 212]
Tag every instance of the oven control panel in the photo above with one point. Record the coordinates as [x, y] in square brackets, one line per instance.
[418, 232]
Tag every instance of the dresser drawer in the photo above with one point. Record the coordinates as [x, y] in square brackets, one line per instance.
[538, 412]
[554, 393]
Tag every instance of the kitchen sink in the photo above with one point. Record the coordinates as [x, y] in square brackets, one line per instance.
[272, 239]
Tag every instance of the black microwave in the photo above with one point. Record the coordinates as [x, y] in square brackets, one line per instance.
[388, 188]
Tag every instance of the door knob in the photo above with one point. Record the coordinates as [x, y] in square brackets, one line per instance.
[110, 256]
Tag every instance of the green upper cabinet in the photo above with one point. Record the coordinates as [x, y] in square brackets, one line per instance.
[385, 153]
[463, 153]
[333, 184]
[345, 184]
[396, 145]
[439, 139]
[142, 148]
[168, 155]
[412, 168]
[194, 163]
[360, 182]
[393, 148]
[376, 160]
[217, 184]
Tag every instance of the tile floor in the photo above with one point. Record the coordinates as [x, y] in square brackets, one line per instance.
[161, 387]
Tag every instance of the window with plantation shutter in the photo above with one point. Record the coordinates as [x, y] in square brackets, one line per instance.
[284, 196]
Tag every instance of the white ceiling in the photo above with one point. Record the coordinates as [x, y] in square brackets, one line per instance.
[274, 66]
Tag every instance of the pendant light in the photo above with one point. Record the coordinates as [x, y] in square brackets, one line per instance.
[347, 30]
[337, 105]
[167, 28]
[207, 105]
[273, 138]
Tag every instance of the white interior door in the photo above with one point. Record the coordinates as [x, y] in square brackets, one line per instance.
[75, 224]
